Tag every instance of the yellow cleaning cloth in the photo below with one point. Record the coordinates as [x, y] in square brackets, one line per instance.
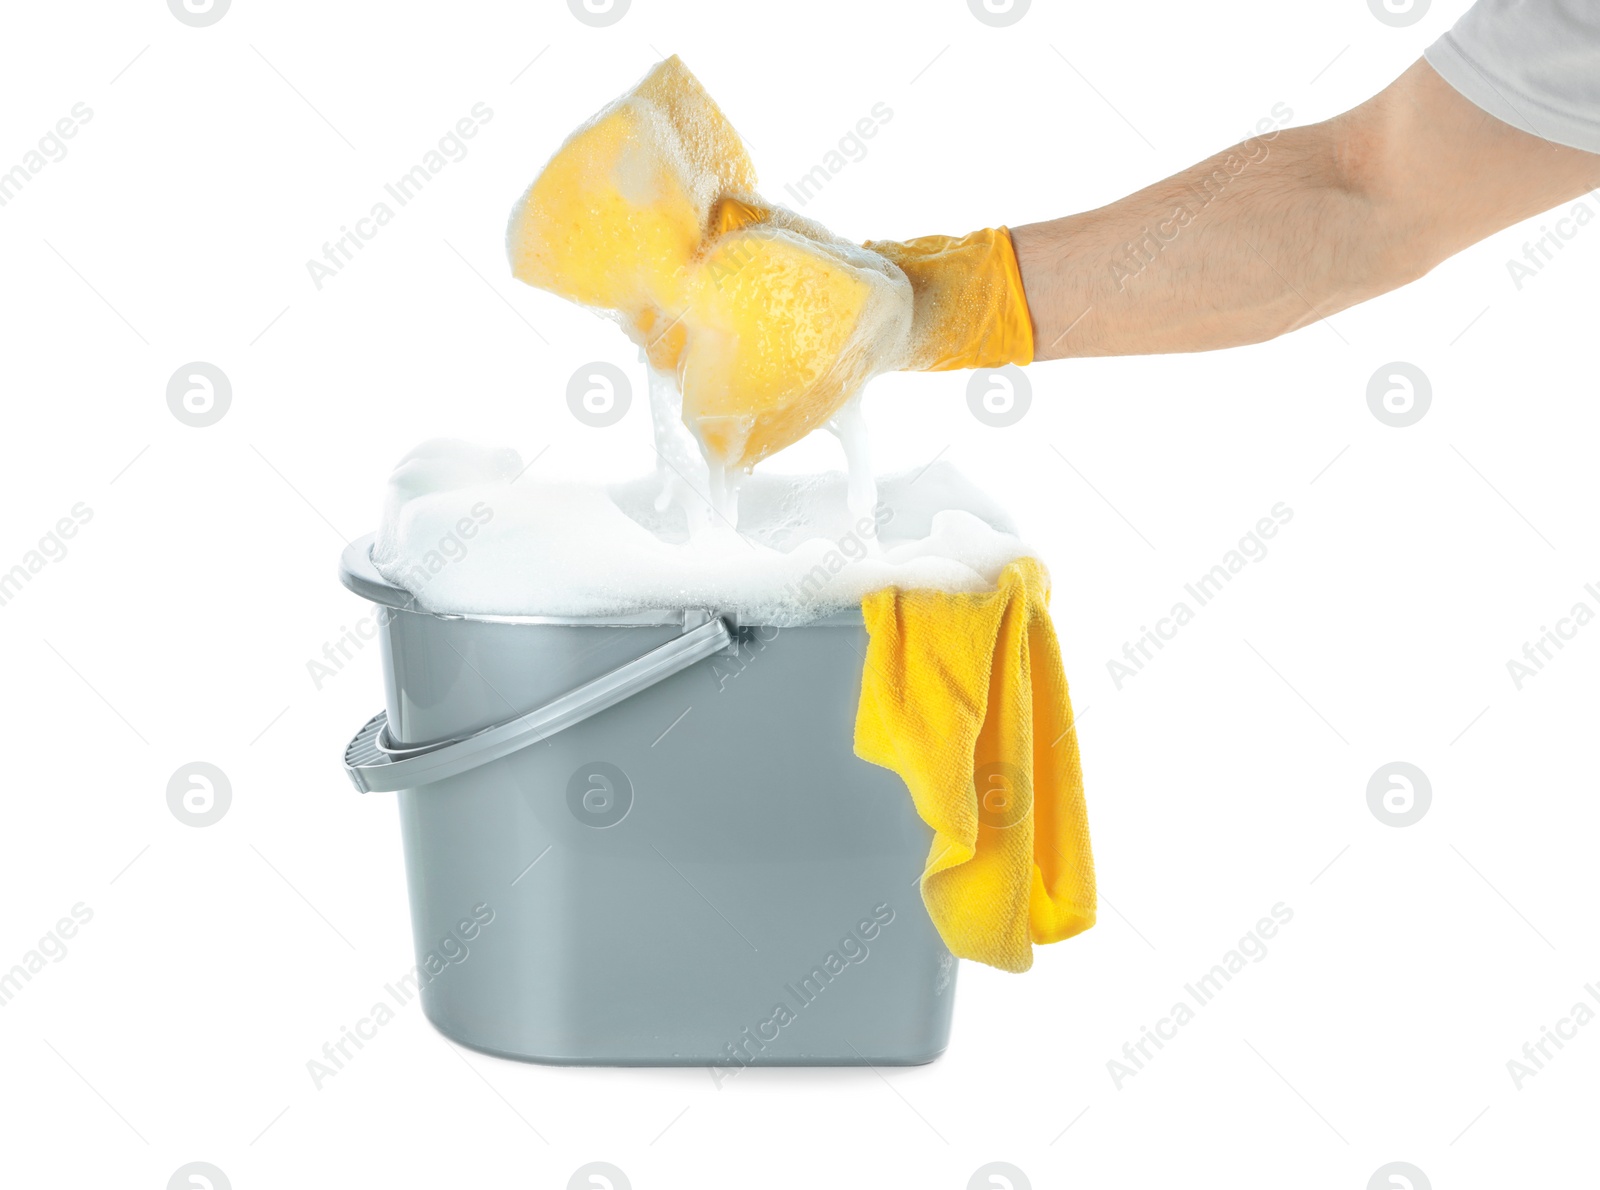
[964, 697]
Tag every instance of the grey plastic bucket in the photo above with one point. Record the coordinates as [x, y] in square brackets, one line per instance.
[647, 840]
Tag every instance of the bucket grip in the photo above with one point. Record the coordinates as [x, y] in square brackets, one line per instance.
[376, 765]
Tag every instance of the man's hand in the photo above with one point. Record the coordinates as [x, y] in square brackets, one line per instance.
[1281, 231]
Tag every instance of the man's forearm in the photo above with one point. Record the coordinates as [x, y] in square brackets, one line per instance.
[1242, 247]
[1288, 228]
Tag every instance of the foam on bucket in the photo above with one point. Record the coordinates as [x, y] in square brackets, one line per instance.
[467, 532]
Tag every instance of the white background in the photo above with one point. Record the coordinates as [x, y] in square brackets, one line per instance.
[1230, 775]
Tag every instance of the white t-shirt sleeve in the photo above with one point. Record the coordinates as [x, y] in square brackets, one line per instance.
[1534, 64]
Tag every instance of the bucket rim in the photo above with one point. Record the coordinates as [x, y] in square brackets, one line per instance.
[359, 574]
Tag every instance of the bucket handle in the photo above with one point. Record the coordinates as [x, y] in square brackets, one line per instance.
[377, 766]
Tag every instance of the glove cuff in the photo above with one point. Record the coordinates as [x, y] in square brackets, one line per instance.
[969, 308]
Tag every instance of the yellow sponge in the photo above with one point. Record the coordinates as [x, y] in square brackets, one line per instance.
[771, 319]
[768, 322]
[621, 210]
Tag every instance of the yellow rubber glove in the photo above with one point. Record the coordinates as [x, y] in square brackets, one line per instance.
[769, 323]
[968, 306]
[790, 327]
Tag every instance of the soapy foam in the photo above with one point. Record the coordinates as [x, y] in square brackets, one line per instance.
[768, 324]
[540, 547]
[849, 425]
[684, 472]
[757, 326]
